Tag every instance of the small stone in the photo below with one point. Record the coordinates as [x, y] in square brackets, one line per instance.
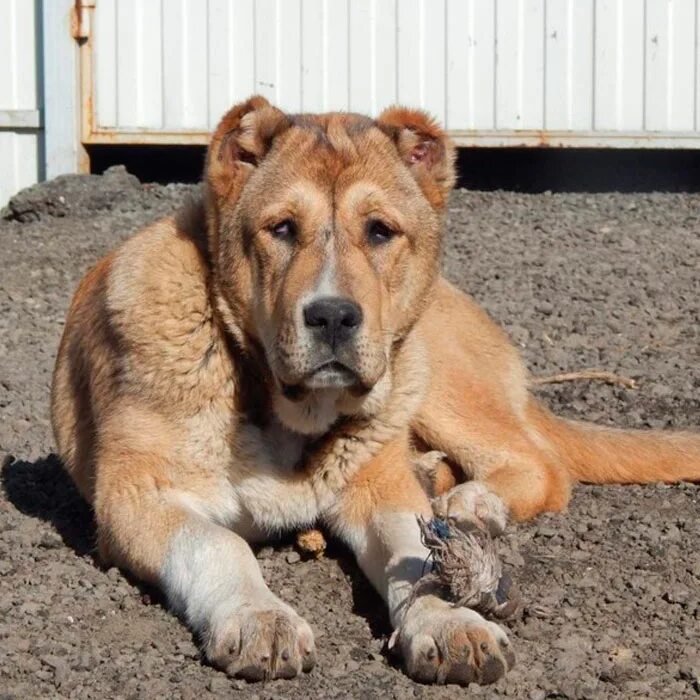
[217, 684]
[265, 553]
[678, 595]
[292, 557]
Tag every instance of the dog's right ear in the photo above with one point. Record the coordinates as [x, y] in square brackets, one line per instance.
[240, 142]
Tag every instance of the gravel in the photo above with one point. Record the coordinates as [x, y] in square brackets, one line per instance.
[612, 588]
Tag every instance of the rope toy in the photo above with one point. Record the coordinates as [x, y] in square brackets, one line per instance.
[466, 567]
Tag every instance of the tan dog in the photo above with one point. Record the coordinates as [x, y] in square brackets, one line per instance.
[275, 357]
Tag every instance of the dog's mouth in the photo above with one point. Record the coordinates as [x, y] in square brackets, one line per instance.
[331, 374]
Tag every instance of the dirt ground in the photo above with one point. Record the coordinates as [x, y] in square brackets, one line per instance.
[612, 588]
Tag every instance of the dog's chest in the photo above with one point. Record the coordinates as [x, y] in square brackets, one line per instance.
[272, 492]
[284, 448]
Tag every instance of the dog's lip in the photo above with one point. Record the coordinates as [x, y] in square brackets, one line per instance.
[331, 366]
[326, 370]
[333, 372]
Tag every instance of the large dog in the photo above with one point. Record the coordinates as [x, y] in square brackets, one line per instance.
[276, 355]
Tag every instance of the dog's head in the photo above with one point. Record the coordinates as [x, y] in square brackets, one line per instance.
[325, 236]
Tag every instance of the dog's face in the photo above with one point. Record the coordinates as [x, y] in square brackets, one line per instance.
[326, 239]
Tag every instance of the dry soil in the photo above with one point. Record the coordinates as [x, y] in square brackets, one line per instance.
[612, 587]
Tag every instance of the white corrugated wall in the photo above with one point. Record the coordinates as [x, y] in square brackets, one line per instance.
[587, 72]
[19, 97]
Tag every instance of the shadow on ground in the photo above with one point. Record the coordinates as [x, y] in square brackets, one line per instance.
[42, 489]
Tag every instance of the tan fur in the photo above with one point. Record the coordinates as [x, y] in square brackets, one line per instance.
[183, 407]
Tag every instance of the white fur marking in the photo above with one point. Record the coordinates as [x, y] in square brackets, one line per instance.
[390, 553]
[208, 573]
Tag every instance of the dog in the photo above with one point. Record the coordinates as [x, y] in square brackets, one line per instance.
[276, 355]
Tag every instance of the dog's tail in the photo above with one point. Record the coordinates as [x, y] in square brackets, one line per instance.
[598, 455]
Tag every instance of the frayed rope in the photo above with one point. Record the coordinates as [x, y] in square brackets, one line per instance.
[466, 568]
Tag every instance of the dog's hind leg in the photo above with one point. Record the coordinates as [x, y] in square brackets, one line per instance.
[490, 446]
[475, 411]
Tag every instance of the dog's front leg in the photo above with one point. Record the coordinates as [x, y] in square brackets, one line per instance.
[376, 516]
[208, 573]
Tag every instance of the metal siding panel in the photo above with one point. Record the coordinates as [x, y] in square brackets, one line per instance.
[174, 64]
[486, 65]
[482, 64]
[697, 65]
[470, 27]
[362, 41]
[409, 50]
[25, 58]
[532, 66]
[312, 55]
[220, 79]
[151, 51]
[139, 66]
[61, 148]
[385, 49]
[568, 64]
[605, 63]
[128, 64]
[288, 79]
[105, 75]
[265, 12]
[231, 55]
[26, 149]
[508, 63]
[458, 36]
[242, 43]
[19, 161]
[619, 63]
[433, 65]
[185, 66]
[670, 46]
[336, 86]
[8, 161]
[681, 68]
[630, 105]
[7, 56]
[520, 64]
[581, 56]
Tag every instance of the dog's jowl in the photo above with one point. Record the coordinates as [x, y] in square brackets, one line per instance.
[276, 355]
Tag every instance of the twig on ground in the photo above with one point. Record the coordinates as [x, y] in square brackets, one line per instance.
[586, 375]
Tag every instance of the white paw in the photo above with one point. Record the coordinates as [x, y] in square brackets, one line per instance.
[440, 643]
[260, 644]
[472, 506]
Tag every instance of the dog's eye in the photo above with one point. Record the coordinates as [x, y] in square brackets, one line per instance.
[378, 232]
[284, 230]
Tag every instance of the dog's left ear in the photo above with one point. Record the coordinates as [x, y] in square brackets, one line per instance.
[425, 148]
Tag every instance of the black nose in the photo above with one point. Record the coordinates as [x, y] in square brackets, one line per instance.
[333, 319]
